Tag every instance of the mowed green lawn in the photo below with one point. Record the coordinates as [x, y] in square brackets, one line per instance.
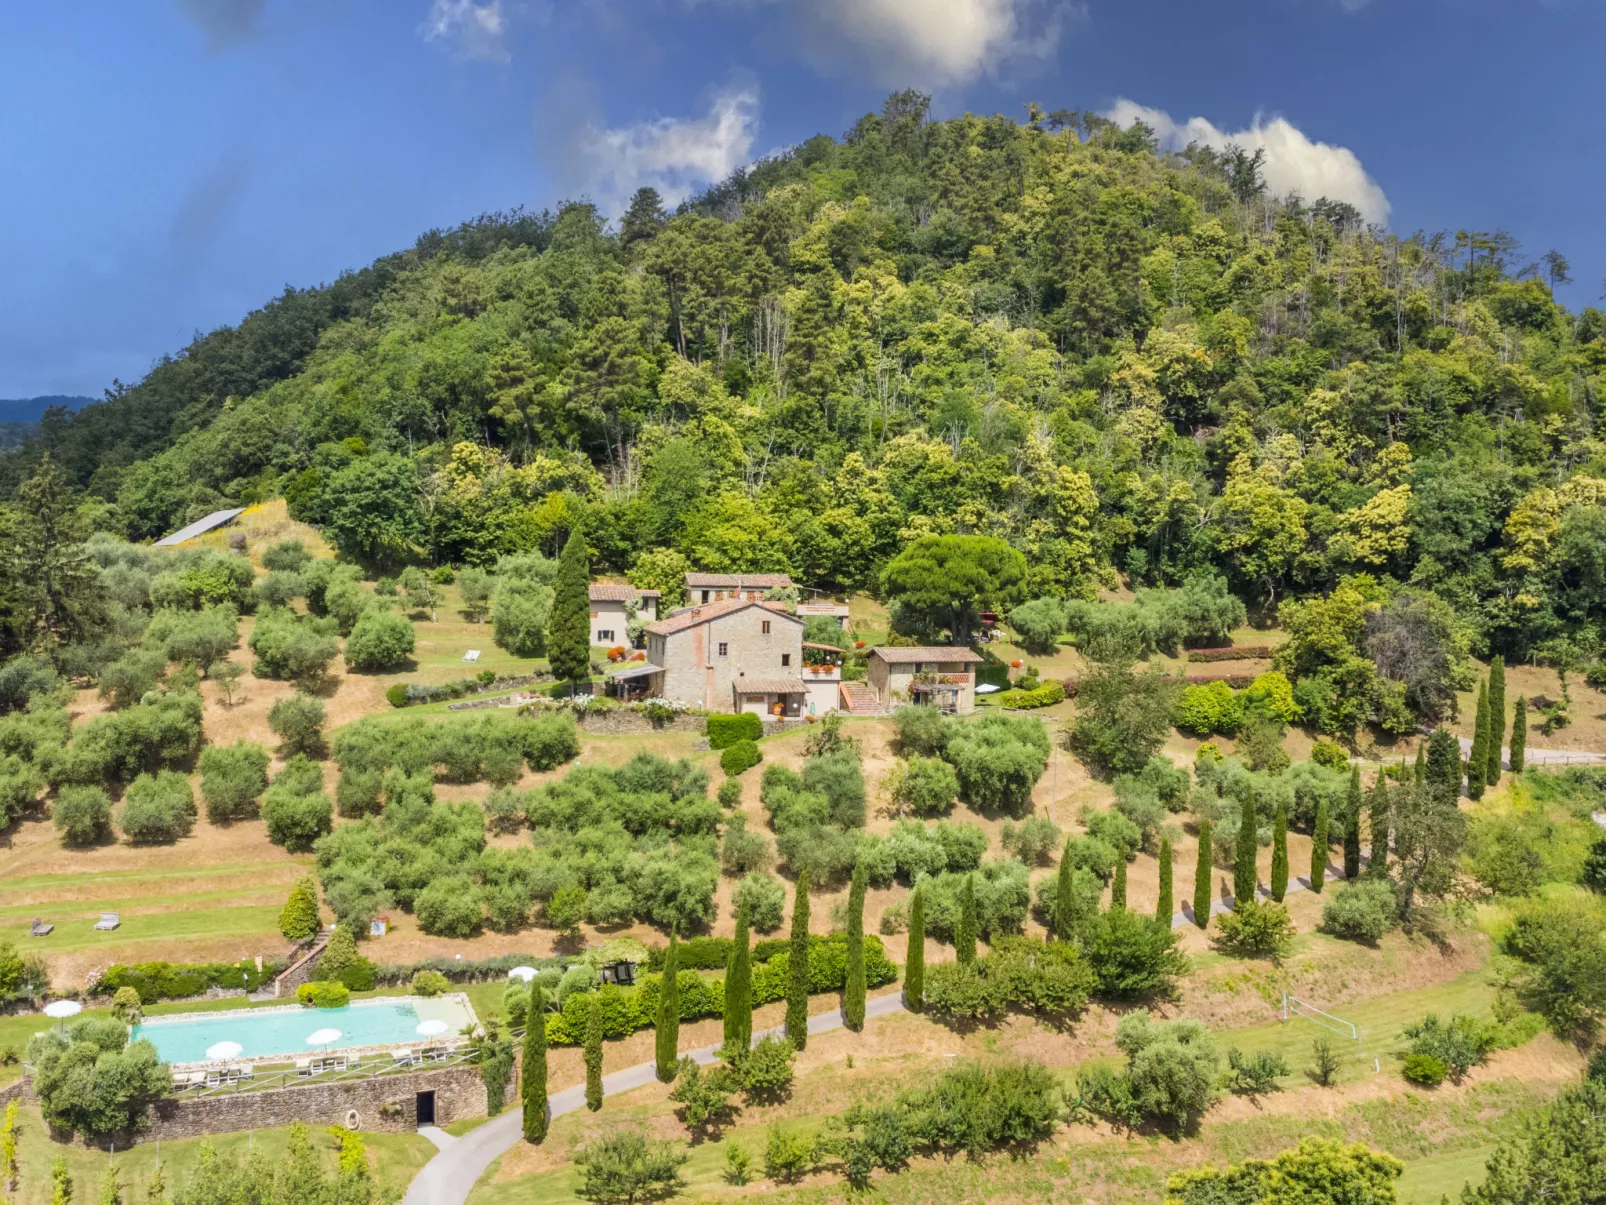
[395, 1158]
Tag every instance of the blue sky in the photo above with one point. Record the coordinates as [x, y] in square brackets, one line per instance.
[171, 164]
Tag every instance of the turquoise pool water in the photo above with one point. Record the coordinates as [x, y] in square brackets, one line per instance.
[265, 1032]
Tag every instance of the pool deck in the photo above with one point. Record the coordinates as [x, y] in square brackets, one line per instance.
[289, 1057]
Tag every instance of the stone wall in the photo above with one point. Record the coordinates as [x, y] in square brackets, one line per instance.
[631, 723]
[459, 1094]
[301, 970]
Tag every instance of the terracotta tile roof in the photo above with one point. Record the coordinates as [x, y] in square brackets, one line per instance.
[610, 592]
[753, 685]
[690, 617]
[736, 581]
[944, 654]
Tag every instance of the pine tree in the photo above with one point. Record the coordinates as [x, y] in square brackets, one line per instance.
[1066, 905]
[1118, 886]
[1378, 808]
[739, 989]
[593, 1053]
[1163, 906]
[965, 930]
[568, 629]
[533, 1086]
[853, 989]
[666, 1043]
[1352, 826]
[1201, 878]
[1478, 755]
[299, 918]
[1497, 719]
[797, 991]
[1279, 853]
[1519, 735]
[914, 963]
[1245, 878]
[1319, 843]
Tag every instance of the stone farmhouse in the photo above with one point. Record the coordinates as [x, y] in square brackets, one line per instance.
[716, 587]
[737, 654]
[944, 677]
[610, 615]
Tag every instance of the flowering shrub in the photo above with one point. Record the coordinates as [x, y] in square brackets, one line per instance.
[618, 653]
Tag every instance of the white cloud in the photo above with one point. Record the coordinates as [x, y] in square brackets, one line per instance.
[1294, 163]
[927, 43]
[475, 29]
[675, 155]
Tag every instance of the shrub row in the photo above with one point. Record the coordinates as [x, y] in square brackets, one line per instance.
[725, 730]
[156, 981]
[1045, 695]
[1236, 681]
[486, 970]
[1248, 652]
[625, 1010]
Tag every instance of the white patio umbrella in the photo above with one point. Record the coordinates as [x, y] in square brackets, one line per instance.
[224, 1050]
[986, 688]
[432, 1027]
[60, 1010]
[524, 973]
[322, 1037]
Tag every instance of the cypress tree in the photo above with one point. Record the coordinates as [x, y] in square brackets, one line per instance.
[1443, 775]
[853, 989]
[1163, 907]
[1352, 826]
[965, 930]
[593, 1053]
[1279, 853]
[666, 1043]
[739, 988]
[1519, 735]
[914, 963]
[1066, 904]
[1378, 807]
[1420, 774]
[1318, 849]
[1497, 719]
[797, 991]
[1478, 755]
[1118, 886]
[568, 629]
[1201, 878]
[1244, 875]
[533, 1080]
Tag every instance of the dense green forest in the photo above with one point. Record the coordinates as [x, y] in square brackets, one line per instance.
[1124, 362]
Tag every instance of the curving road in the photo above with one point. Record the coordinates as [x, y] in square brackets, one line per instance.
[448, 1178]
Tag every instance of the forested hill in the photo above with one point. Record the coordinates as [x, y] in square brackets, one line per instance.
[1121, 361]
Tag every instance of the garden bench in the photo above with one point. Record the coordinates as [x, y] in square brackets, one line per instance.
[40, 929]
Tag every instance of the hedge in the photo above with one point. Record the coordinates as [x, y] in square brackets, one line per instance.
[1045, 695]
[1236, 681]
[741, 756]
[725, 730]
[487, 970]
[411, 694]
[156, 981]
[712, 953]
[625, 1010]
[1248, 652]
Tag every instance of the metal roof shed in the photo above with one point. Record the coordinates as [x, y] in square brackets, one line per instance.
[200, 527]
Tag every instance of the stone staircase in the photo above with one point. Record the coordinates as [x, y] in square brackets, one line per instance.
[859, 699]
[300, 971]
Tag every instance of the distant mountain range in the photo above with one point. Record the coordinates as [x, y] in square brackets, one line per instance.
[32, 409]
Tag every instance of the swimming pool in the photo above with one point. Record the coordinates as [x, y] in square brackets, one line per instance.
[267, 1032]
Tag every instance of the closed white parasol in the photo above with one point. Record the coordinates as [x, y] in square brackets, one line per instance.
[224, 1050]
[322, 1037]
[432, 1027]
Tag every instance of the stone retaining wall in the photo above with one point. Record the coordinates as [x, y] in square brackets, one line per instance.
[633, 723]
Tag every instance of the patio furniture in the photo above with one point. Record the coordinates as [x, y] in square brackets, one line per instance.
[246, 1071]
[402, 1058]
[303, 1066]
[40, 929]
[108, 921]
